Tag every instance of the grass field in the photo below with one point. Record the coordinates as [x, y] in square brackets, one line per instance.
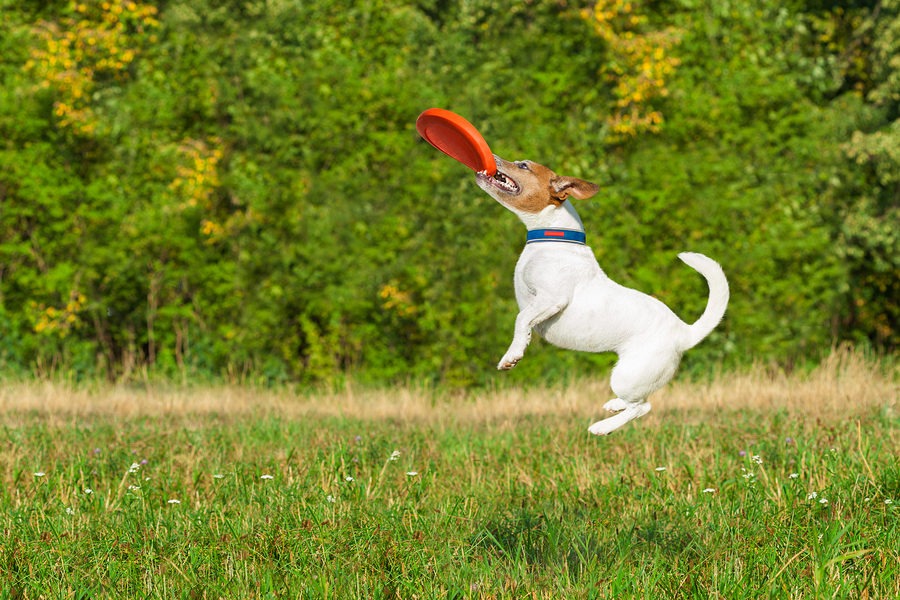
[754, 485]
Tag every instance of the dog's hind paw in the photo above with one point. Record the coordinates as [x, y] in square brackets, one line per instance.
[605, 427]
[615, 405]
[610, 424]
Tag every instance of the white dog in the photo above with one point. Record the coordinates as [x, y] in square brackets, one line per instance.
[566, 297]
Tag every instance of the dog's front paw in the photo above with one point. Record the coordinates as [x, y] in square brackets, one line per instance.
[508, 362]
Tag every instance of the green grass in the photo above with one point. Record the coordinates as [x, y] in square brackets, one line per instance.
[287, 504]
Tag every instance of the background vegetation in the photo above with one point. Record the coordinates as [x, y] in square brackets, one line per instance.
[235, 188]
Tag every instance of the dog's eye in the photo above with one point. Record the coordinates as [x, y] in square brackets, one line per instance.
[522, 165]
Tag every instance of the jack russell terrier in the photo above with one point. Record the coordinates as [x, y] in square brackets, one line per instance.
[565, 296]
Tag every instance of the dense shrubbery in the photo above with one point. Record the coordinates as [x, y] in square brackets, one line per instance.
[235, 188]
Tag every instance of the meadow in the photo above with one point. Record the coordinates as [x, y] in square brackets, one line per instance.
[753, 484]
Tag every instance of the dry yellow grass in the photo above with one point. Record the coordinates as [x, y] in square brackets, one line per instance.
[845, 384]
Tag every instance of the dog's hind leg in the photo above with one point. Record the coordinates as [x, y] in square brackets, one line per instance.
[633, 379]
[639, 374]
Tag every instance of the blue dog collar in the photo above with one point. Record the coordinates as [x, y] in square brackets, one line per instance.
[556, 235]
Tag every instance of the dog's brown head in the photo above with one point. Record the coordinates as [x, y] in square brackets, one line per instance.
[529, 187]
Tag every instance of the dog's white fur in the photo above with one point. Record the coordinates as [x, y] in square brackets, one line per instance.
[565, 296]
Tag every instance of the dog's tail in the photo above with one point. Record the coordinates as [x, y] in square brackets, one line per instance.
[718, 296]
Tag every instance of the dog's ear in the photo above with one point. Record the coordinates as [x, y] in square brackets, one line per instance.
[562, 187]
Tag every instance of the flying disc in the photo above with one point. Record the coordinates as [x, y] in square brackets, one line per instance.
[457, 138]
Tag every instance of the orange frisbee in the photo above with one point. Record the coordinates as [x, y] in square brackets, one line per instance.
[457, 138]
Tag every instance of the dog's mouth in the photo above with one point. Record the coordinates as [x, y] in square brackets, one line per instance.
[500, 181]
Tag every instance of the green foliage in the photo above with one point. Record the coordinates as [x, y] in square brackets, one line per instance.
[247, 196]
[869, 237]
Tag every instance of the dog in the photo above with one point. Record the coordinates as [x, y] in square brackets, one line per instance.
[565, 296]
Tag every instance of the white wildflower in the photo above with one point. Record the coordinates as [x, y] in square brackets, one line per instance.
[412, 473]
[660, 469]
[395, 455]
[709, 491]
[812, 496]
[88, 491]
[267, 476]
[174, 501]
[331, 499]
[794, 475]
[39, 474]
